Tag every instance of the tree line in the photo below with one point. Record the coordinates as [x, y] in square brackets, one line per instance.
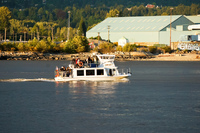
[52, 4]
[94, 15]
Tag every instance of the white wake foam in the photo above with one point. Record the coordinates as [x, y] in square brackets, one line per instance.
[27, 80]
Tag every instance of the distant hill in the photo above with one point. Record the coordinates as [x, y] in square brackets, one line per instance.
[61, 4]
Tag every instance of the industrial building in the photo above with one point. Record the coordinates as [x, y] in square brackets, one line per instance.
[145, 30]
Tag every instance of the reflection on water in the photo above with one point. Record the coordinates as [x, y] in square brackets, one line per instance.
[90, 87]
[89, 98]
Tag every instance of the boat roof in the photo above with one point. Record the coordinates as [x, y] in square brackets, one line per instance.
[106, 58]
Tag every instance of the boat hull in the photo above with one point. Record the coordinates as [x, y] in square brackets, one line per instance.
[103, 78]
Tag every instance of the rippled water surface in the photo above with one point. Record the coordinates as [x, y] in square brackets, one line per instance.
[159, 97]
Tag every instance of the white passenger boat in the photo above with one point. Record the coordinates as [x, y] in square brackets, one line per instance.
[100, 68]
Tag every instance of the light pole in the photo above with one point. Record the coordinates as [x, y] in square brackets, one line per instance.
[68, 24]
[170, 25]
[27, 32]
[52, 33]
[5, 33]
[98, 38]
[108, 33]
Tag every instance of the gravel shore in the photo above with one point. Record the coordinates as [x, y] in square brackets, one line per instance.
[119, 56]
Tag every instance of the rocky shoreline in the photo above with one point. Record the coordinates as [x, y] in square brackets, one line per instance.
[61, 56]
[119, 56]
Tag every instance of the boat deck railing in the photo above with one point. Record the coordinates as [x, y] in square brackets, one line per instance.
[85, 64]
[63, 73]
[124, 71]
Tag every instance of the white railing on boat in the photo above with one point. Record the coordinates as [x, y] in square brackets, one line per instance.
[124, 71]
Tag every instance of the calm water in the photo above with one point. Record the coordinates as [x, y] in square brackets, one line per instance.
[159, 97]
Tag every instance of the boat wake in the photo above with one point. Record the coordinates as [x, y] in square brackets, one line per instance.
[27, 80]
[52, 80]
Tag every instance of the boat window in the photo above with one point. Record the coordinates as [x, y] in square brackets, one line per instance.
[114, 72]
[100, 72]
[80, 72]
[112, 57]
[110, 72]
[89, 72]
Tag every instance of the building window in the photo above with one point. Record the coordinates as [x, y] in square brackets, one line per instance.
[100, 72]
[80, 72]
[89, 72]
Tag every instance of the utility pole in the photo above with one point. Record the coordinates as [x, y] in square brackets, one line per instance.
[15, 36]
[52, 33]
[98, 38]
[68, 25]
[108, 33]
[170, 25]
[5, 34]
[38, 35]
[27, 32]
[24, 37]
[20, 38]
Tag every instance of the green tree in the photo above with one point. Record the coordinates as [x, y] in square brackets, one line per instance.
[5, 16]
[106, 47]
[40, 12]
[167, 49]
[194, 9]
[113, 13]
[153, 49]
[127, 47]
[119, 48]
[70, 47]
[82, 28]
[22, 47]
[81, 43]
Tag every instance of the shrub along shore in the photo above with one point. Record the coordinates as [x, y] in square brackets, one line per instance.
[120, 56]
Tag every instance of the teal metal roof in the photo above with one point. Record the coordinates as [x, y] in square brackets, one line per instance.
[134, 24]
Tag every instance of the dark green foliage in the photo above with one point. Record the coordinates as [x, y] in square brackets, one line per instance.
[8, 46]
[106, 47]
[82, 28]
[5, 16]
[167, 49]
[51, 4]
[93, 15]
[129, 47]
[159, 45]
[97, 38]
[153, 49]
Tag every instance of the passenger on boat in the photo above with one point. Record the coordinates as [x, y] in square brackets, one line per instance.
[89, 60]
[73, 61]
[62, 68]
[68, 72]
[77, 60]
[77, 63]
